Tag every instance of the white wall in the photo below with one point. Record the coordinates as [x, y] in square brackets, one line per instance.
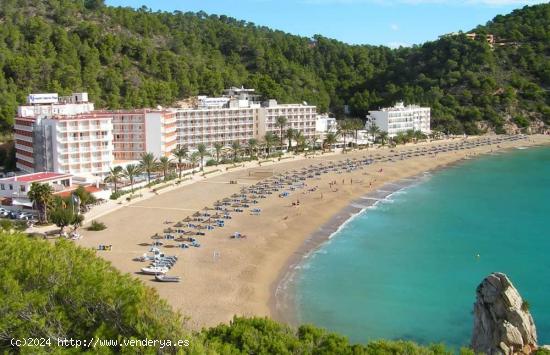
[153, 133]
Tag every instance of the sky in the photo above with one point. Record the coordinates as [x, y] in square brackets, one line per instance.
[376, 22]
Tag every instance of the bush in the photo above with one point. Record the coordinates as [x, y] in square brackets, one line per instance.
[97, 226]
[116, 195]
[521, 121]
[6, 224]
[211, 162]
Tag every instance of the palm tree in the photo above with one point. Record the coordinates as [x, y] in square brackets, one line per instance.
[281, 122]
[400, 138]
[130, 172]
[374, 130]
[194, 159]
[330, 139]
[383, 137]
[165, 163]
[181, 154]
[252, 147]
[148, 163]
[344, 128]
[312, 142]
[201, 149]
[410, 136]
[290, 133]
[218, 148]
[114, 175]
[270, 139]
[41, 195]
[300, 141]
[235, 147]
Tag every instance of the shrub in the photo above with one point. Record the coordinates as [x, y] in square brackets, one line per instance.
[6, 224]
[116, 195]
[211, 162]
[97, 226]
[521, 121]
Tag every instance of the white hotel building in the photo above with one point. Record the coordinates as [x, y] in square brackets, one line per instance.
[66, 134]
[401, 118]
[238, 116]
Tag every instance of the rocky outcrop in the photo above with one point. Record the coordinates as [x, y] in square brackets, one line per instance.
[502, 322]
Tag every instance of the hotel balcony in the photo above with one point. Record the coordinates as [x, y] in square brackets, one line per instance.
[22, 128]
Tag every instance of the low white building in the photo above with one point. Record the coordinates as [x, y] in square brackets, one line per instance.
[400, 118]
[325, 124]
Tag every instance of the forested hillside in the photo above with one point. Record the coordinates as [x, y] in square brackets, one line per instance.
[138, 58]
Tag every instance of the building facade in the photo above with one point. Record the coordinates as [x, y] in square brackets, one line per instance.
[66, 134]
[401, 118]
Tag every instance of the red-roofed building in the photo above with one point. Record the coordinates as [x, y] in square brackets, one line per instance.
[13, 190]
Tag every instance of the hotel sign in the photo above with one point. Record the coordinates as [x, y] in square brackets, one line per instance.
[42, 99]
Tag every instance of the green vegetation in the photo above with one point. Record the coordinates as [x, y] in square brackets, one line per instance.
[130, 58]
[64, 216]
[59, 290]
[7, 225]
[97, 226]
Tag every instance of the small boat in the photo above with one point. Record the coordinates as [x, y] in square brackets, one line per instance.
[154, 270]
[166, 278]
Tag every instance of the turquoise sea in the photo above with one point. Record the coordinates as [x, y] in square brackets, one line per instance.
[407, 268]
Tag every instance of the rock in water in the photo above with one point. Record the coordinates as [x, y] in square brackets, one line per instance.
[502, 322]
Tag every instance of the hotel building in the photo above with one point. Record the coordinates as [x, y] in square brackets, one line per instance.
[66, 134]
[239, 116]
[401, 118]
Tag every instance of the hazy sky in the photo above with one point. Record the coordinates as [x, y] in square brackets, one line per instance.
[385, 22]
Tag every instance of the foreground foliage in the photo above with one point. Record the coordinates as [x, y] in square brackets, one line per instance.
[61, 291]
[138, 58]
[57, 290]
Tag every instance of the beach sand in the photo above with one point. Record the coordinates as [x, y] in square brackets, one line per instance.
[227, 277]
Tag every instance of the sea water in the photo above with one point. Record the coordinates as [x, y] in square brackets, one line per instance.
[408, 267]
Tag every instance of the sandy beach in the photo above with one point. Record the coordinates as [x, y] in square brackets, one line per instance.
[228, 276]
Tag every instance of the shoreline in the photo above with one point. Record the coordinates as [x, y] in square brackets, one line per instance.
[282, 298]
[282, 301]
[243, 278]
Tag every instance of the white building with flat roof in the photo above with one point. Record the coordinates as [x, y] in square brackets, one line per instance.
[400, 118]
[325, 124]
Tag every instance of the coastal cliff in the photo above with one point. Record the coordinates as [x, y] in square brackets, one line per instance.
[502, 322]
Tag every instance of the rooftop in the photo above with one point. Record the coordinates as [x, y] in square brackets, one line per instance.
[36, 177]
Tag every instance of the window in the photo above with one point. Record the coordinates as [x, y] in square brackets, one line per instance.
[11, 187]
[23, 189]
[2, 187]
